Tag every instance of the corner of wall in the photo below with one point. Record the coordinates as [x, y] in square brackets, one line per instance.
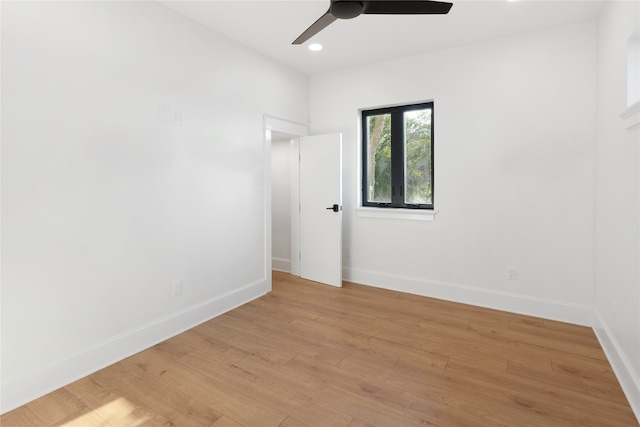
[628, 378]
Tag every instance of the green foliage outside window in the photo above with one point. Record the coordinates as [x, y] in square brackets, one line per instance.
[380, 158]
[417, 175]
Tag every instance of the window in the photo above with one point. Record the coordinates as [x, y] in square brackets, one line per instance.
[397, 157]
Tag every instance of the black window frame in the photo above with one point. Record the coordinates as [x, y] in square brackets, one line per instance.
[397, 156]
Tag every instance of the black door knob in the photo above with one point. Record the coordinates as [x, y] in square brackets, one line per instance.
[335, 208]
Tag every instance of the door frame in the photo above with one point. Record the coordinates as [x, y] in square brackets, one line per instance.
[295, 130]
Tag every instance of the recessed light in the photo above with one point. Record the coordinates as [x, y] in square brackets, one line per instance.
[315, 47]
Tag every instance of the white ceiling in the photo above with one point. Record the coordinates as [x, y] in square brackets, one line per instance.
[269, 27]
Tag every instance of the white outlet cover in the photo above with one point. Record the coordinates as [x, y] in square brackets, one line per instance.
[176, 288]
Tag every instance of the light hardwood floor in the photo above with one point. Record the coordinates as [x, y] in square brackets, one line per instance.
[313, 355]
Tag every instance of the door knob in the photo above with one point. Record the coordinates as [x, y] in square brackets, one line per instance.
[335, 208]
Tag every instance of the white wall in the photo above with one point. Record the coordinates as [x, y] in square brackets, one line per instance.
[617, 261]
[281, 203]
[105, 201]
[514, 172]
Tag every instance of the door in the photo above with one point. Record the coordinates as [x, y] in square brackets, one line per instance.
[321, 208]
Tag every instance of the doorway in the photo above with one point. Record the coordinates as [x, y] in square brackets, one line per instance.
[281, 200]
[282, 130]
[284, 141]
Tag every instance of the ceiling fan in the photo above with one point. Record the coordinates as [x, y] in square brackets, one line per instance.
[347, 9]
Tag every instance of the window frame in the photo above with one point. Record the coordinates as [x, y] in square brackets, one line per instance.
[397, 155]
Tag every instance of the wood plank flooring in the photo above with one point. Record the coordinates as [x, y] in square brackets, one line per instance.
[309, 355]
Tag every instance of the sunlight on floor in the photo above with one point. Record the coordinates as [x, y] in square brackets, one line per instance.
[119, 410]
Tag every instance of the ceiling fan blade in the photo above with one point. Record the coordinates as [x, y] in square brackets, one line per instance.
[406, 7]
[315, 28]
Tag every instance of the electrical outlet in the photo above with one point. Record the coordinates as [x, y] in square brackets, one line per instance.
[512, 273]
[176, 288]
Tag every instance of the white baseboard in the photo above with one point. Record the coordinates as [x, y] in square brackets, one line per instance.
[63, 372]
[627, 377]
[522, 304]
[281, 264]
[547, 309]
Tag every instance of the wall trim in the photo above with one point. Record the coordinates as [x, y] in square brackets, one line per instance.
[287, 126]
[522, 304]
[627, 377]
[281, 264]
[91, 359]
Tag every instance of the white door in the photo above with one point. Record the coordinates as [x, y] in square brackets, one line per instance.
[321, 208]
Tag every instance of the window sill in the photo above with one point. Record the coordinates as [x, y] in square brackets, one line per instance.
[402, 214]
[631, 116]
